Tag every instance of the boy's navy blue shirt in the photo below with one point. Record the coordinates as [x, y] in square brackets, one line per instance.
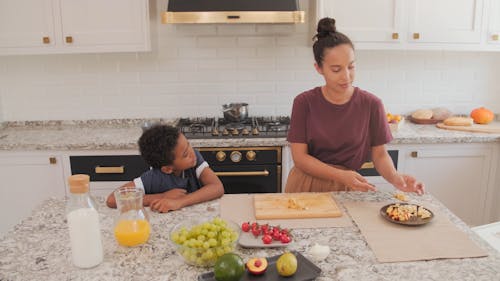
[155, 181]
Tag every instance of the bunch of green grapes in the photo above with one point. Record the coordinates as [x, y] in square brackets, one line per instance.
[204, 243]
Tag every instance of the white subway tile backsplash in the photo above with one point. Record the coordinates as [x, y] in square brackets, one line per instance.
[274, 75]
[236, 29]
[256, 41]
[216, 64]
[195, 68]
[275, 52]
[216, 41]
[236, 52]
[256, 63]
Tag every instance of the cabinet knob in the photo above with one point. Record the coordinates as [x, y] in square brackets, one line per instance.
[52, 160]
[416, 35]
[46, 40]
[494, 37]
[395, 35]
[414, 154]
[69, 39]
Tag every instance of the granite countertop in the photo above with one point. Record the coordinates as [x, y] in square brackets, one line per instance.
[119, 134]
[38, 249]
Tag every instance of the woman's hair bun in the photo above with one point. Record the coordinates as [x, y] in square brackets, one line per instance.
[326, 27]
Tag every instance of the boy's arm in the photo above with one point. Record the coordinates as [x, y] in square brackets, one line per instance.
[212, 188]
[148, 198]
[111, 201]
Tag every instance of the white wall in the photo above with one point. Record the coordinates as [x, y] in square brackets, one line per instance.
[193, 69]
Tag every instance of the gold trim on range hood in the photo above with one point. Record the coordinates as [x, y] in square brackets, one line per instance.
[234, 17]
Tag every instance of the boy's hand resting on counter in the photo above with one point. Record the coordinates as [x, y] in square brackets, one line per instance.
[168, 201]
[408, 183]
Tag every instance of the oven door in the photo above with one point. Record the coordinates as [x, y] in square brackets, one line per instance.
[249, 179]
[372, 176]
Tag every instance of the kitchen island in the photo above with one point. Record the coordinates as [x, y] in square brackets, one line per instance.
[38, 249]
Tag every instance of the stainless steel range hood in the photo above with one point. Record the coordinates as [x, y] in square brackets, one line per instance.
[233, 11]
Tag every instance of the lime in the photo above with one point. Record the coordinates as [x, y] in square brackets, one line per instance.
[229, 267]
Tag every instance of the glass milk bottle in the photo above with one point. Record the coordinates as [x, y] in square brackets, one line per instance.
[83, 224]
[132, 224]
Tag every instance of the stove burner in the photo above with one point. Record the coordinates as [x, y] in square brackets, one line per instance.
[276, 127]
[253, 127]
[234, 126]
[197, 127]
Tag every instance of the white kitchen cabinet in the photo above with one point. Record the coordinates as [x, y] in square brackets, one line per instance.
[34, 29]
[366, 21]
[493, 27]
[27, 180]
[461, 176]
[71, 26]
[413, 24]
[286, 165]
[445, 21]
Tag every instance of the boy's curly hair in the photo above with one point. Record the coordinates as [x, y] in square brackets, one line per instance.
[157, 145]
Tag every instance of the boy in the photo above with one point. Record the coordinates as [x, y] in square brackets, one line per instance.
[179, 176]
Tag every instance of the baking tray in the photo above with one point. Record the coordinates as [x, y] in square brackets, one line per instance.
[306, 270]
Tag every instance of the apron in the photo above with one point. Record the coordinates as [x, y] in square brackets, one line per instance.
[298, 181]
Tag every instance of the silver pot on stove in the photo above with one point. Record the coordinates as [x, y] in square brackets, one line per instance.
[235, 112]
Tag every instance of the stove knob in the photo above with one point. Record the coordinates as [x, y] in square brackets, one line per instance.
[235, 156]
[215, 132]
[251, 155]
[235, 132]
[245, 132]
[255, 131]
[225, 132]
[220, 156]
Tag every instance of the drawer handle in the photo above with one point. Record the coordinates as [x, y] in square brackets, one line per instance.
[243, 174]
[109, 170]
[368, 165]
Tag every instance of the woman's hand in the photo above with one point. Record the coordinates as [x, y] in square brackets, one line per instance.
[356, 182]
[408, 183]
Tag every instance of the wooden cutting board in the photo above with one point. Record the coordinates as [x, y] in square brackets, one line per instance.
[477, 128]
[295, 205]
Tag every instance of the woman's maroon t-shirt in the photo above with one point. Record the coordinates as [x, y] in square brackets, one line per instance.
[339, 134]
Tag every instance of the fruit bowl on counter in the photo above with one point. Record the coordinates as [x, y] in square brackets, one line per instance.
[202, 242]
[395, 121]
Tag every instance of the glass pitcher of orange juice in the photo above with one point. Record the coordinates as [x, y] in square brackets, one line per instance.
[132, 225]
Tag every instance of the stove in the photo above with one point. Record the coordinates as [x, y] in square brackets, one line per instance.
[219, 128]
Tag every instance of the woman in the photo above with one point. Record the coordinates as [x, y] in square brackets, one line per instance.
[336, 127]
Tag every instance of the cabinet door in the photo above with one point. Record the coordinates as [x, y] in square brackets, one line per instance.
[445, 21]
[26, 181]
[101, 23]
[365, 21]
[493, 32]
[26, 27]
[458, 177]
